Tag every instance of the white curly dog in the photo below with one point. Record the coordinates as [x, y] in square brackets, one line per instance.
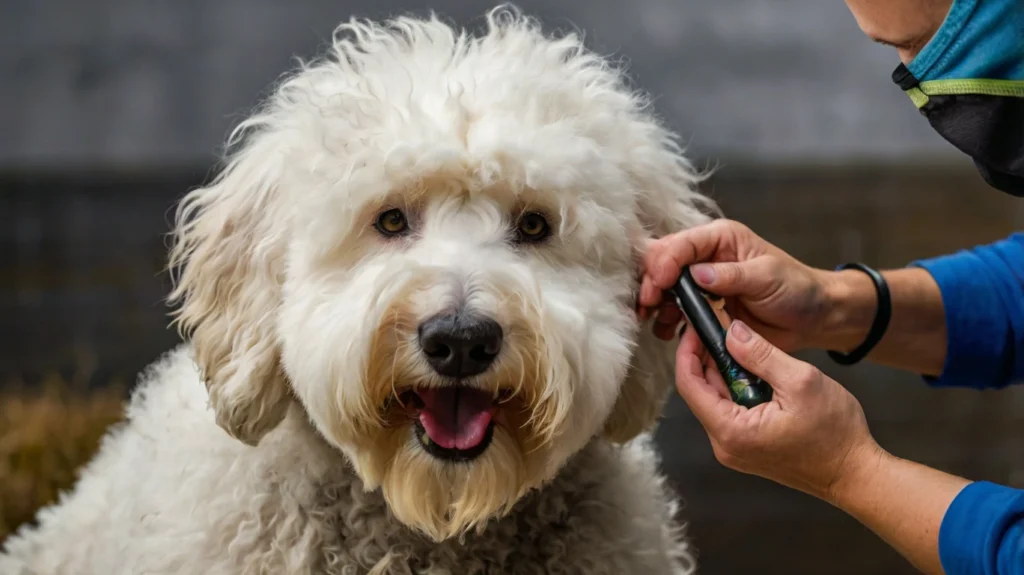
[409, 299]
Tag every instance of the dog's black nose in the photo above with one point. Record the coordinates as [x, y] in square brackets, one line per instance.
[460, 345]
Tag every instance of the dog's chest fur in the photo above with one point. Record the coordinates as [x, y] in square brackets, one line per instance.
[171, 493]
[585, 521]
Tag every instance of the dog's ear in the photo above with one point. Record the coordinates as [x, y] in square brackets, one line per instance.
[226, 261]
[667, 201]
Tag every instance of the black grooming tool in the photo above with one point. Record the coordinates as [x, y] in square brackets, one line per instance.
[746, 389]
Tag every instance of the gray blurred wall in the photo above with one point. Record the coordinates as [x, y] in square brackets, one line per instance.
[107, 83]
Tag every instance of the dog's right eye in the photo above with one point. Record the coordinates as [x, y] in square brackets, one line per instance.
[532, 228]
[392, 223]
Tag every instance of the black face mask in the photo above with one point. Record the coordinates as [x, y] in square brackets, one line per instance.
[982, 118]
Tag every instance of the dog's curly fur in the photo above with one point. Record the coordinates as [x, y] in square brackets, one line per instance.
[304, 452]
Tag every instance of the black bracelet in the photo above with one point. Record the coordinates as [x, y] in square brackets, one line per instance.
[882, 316]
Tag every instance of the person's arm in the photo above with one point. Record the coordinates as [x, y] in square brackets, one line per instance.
[813, 436]
[941, 523]
[915, 339]
[957, 319]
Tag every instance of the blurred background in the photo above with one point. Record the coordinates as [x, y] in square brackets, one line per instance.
[111, 109]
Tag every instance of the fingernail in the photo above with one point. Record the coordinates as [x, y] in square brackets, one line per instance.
[703, 273]
[740, 331]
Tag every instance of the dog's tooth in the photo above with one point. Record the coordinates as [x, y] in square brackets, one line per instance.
[425, 440]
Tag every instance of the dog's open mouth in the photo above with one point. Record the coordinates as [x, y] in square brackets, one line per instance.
[454, 422]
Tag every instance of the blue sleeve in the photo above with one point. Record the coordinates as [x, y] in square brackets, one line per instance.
[982, 532]
[983, 296]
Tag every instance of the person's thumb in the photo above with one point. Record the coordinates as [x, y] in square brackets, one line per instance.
[732, 278]
[781, 371]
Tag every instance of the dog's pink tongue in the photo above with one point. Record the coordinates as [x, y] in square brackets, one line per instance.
[456, 417]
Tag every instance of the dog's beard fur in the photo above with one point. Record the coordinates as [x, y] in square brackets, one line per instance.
[288, 293]
[532, 381]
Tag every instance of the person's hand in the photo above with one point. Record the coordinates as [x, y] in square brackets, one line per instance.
[778, 296]
[811, 436]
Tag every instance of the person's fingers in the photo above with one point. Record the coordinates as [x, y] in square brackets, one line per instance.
[669, 316]
[664, 332]
[786, 340]
[689, 343]
[665, 258]
[644, 313]
[650, 295]
[715, 379]
[783, 372]
[703, 397]
[746, 278]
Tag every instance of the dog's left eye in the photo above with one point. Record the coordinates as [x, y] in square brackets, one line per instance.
[392, 223]
[532, 227]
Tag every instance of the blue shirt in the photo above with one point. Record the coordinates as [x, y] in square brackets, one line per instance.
[983, 296]
[982, 531]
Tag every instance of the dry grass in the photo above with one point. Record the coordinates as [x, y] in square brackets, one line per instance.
[47, 433]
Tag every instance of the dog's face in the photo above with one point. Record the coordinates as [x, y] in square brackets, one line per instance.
[460, 339]
[431, 242]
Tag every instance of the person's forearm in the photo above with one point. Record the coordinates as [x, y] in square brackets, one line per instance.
[901, 501]
[905, 24]
[916, 337]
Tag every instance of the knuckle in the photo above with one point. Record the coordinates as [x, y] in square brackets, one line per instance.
[734, 227]
[772, 263]
[653, 251]
[691, 252]
[660, 243]
[720, 224]
[761, 352]
[738, 226]
[806, 375]
[732, 273]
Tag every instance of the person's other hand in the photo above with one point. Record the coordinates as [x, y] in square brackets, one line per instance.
[809, 437]
[771, 291]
